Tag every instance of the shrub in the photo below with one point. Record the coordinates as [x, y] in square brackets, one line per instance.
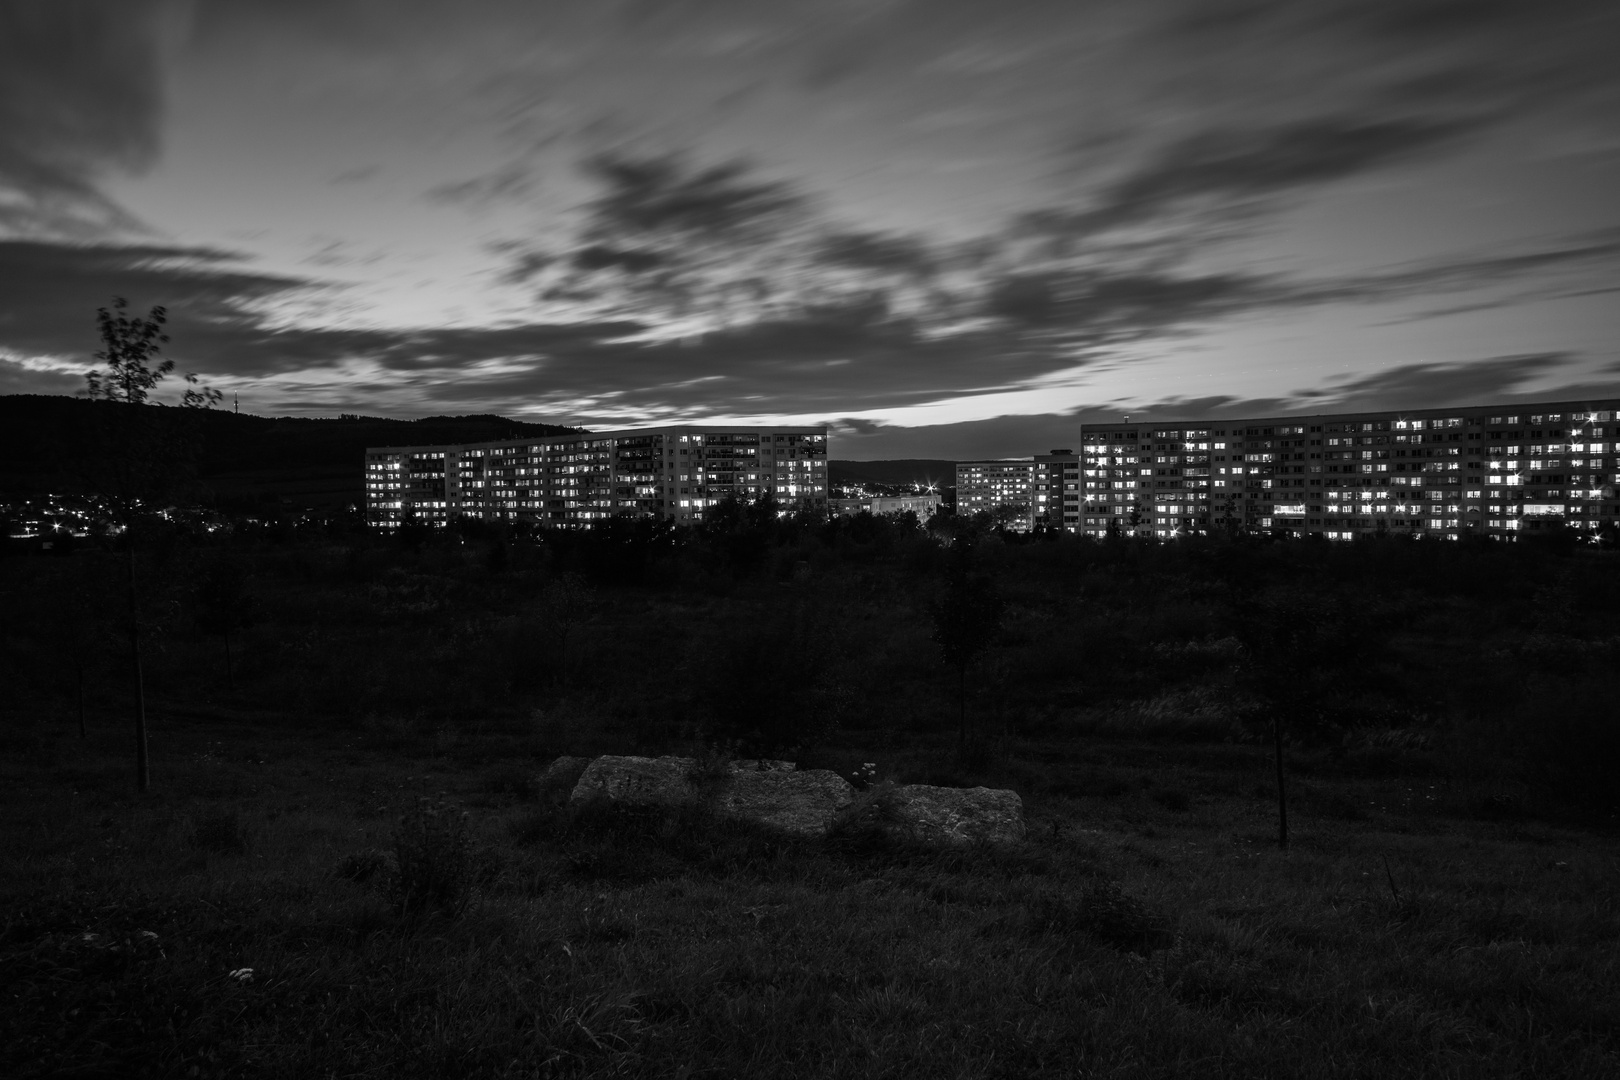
[764, 652]
[436, 864]
[361, 867]
[871, 824]
[510, 779]
[1107, 914]
[221, 832]
[1172, 800]
[1572, 756]
[533, 825]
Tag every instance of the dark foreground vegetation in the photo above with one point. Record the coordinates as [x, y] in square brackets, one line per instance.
[345, 865]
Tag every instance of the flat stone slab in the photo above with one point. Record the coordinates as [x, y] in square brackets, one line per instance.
[801, 803]
[776, 795]
[955, 816]
[637, 781]
[762, 765]
[558, 780]
[772, 794]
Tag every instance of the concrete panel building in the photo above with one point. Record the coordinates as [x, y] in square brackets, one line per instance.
[1496, 470]
[924, 506]
[1003, 488]
[580, 478]
[1058, 497]
[1023, 493]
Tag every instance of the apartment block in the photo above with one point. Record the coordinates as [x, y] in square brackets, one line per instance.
[1492, 470]
[1023, 493]
[584, 477]
[924, 506]
[1003, 488]
[1058, 498]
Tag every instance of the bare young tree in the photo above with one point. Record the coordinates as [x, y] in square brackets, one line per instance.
[138, 460]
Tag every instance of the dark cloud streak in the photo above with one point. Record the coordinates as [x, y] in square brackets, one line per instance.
[1241, 167]
[80, 94]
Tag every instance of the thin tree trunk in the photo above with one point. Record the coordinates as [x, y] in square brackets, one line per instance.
[1282, 792]
[961, 705]
[230, 679]
[143, 770]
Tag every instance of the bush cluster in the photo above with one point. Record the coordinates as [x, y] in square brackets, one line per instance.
[773, 635]
[435, 862]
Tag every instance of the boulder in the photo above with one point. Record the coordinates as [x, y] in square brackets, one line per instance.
[637, 781]
[557, 782]
[771, 794]
[762, 765]
[954, 816]
[800, 803]
[776, 795]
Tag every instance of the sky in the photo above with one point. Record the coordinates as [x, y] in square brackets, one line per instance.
[945, 228]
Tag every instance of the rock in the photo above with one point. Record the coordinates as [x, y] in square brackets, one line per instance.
[801, 803]
[637, 781]
[762, 765]
[775, 795]
[557, 782]
[771, 794]
[954, 816]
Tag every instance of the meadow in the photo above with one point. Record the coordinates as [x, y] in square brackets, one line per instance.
[346, 864]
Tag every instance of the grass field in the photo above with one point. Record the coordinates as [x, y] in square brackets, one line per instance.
[246, 918]
[345, 867]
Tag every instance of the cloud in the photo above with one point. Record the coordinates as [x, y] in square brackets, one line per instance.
[1429, 385]
[1488, 380]
[1224, 112]
[508, 182]
[854, 425]
[524, 265]
[1420, 52]
[1102, 308]
[817, 360]
[1435, 384]
[662, 199]
[1092, 307]
[880, 253]
[691, 288]
[80, 96]
[666, 237]
[20, 377]
[1471, 272]
[1245, 164]
[833, 315]
[812, 359]
[816, 357]
[1239, 171]
[358, 174]
[49, 294]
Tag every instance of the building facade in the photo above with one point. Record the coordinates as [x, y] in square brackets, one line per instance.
[1023, 493]
[584, 477]
[1492, 470]
[924, 506]
[1003, 488]
[1057, 495]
